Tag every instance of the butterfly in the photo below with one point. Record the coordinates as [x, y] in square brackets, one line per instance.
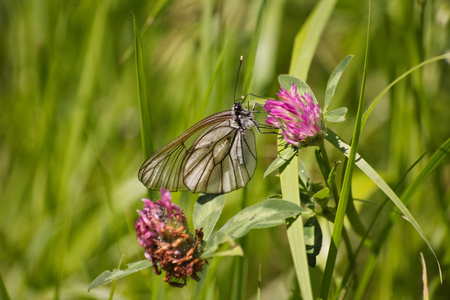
[216, 155]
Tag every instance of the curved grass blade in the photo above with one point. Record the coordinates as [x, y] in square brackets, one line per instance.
[378, 98]
[430, 166]
[376, 178]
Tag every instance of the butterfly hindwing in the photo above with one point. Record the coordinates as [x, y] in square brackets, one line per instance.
[222, 159]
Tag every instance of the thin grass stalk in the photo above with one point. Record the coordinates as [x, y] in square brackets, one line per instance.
[144, 104]
[346, 185]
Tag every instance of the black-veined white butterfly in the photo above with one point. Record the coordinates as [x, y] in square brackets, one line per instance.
[222, 158]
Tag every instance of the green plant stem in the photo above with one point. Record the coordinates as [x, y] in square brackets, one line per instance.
[332, 185]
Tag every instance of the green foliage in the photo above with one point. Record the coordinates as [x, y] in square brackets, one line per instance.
[207, 211]
[71, 143]
[282, 159]
[108, 276]
[268, 213]
[333, 82]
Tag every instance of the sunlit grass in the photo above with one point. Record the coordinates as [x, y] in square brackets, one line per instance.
[71, 148]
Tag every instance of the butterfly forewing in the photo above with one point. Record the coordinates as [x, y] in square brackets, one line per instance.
[164, 167]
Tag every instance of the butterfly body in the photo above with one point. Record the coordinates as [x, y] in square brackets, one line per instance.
[216, 155]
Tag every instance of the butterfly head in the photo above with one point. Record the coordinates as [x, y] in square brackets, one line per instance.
[243, 117]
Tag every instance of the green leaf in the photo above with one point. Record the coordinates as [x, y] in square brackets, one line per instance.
[286, 82]
[337, 115]
[268, 213]
[322, 194]
[333, 81]
[207, 210]
[281, 160]
[215, 241]
[218, 239]
[313, 240]
[108, 276]
[233, 251]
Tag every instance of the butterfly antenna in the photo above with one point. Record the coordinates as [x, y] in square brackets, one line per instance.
[237, 77]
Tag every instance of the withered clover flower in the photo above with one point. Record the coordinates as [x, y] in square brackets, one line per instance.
[297, 116]
[163, 232]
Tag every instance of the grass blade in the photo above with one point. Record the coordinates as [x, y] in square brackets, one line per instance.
[307, 39]
[144, 105]
[346, 185]
[404, 75]
[376, 178]
[305, 45]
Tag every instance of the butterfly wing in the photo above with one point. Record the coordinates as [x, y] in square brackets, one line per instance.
[222, 159]
[164, 168]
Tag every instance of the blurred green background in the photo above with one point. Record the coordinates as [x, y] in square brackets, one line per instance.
[70, 136]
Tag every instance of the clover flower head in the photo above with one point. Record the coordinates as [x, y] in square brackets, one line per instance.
[298, 117]
[162, 231]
